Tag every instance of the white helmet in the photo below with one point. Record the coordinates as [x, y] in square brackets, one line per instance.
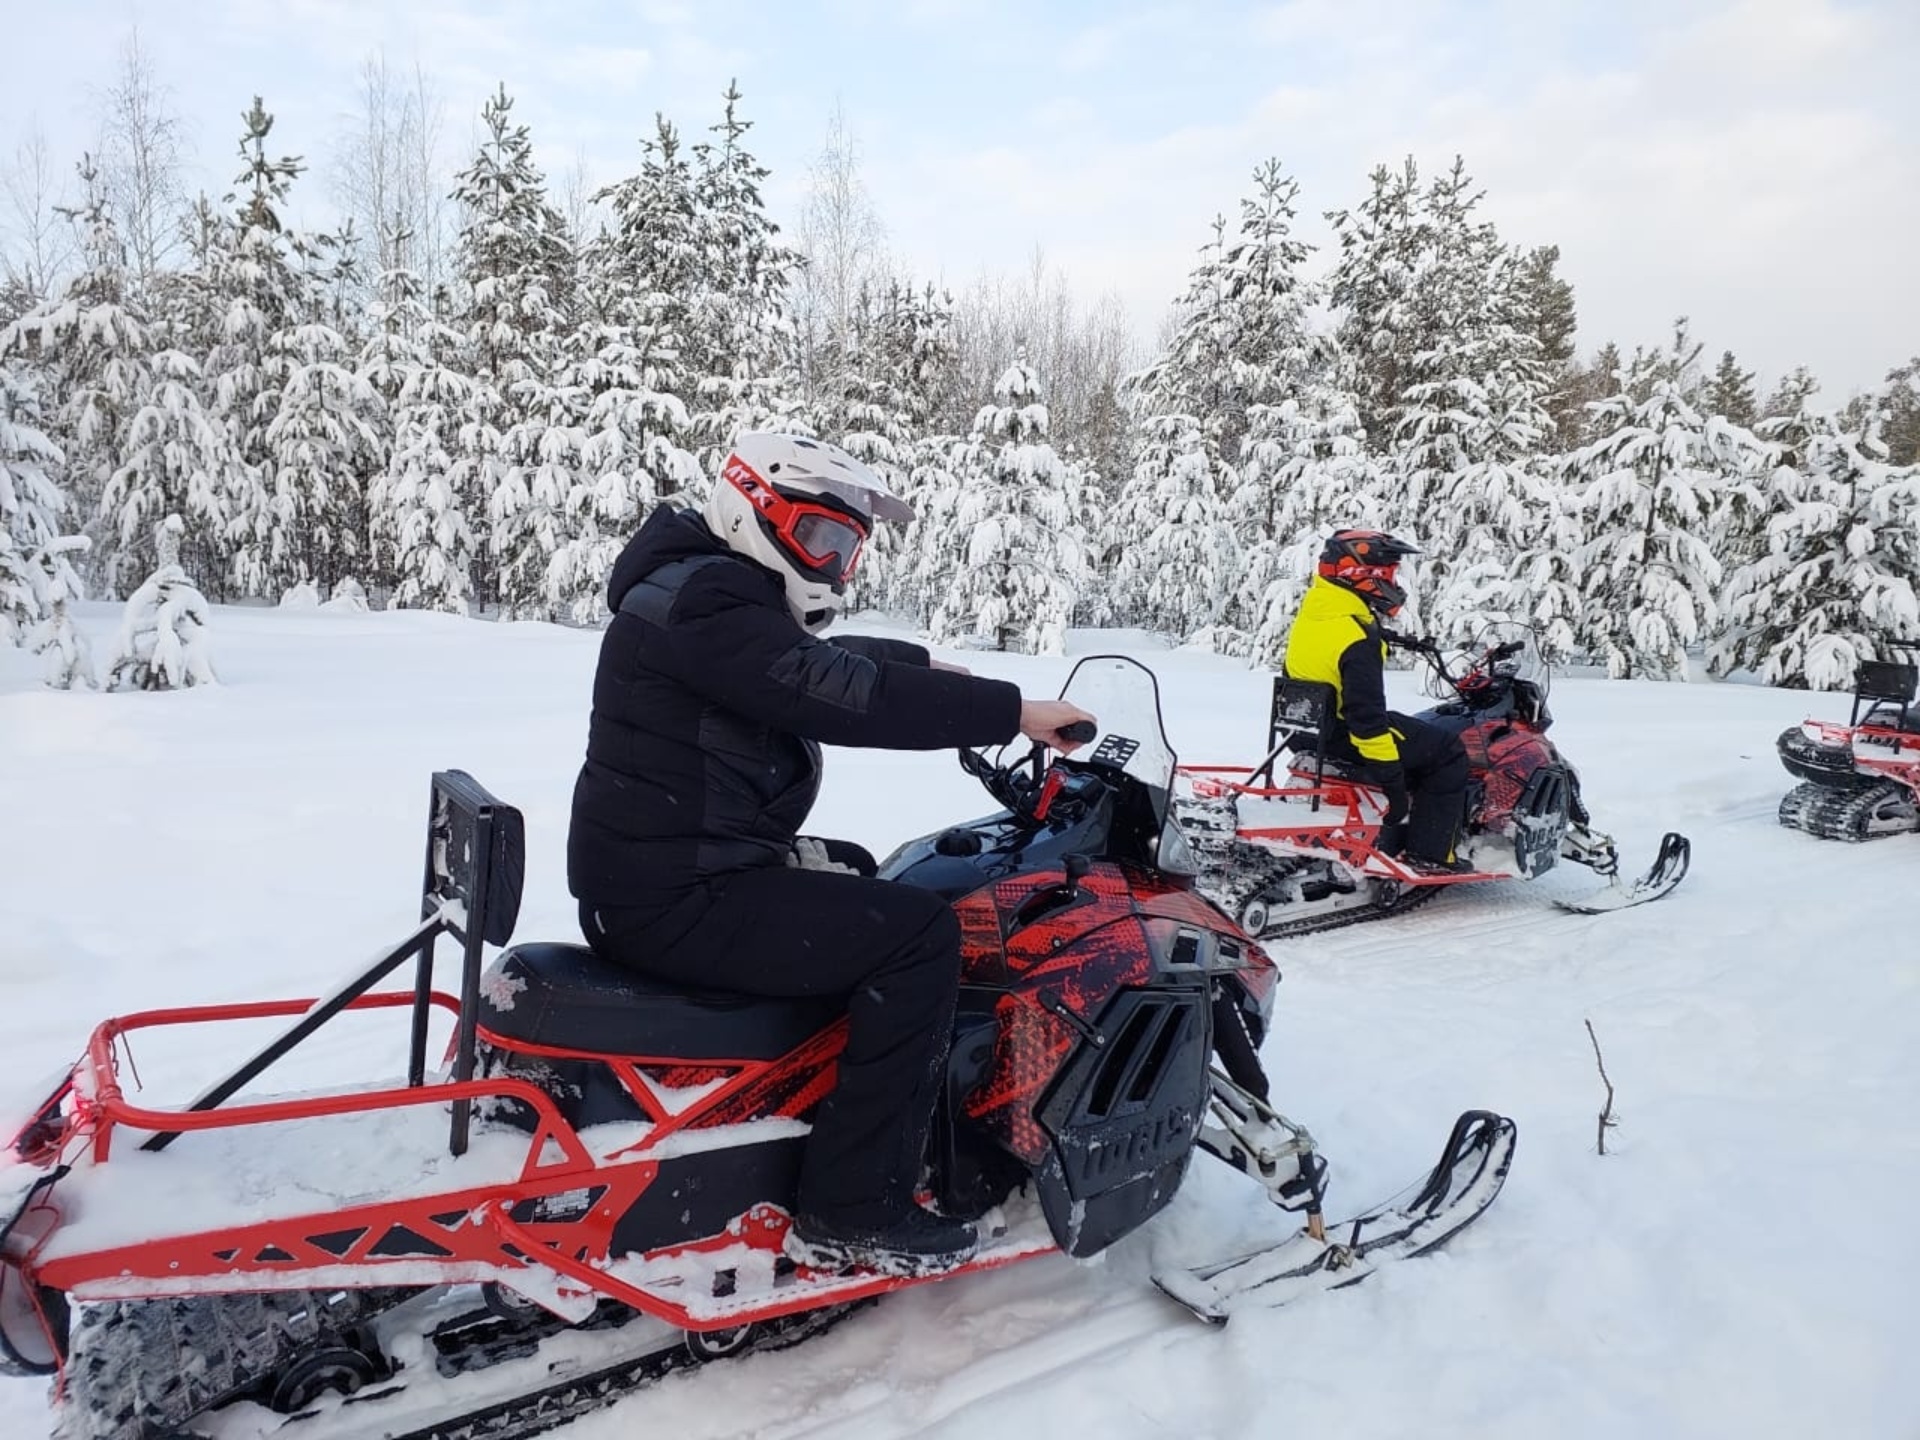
[803, 509]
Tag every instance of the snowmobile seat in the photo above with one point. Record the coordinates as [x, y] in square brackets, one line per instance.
[567, 997]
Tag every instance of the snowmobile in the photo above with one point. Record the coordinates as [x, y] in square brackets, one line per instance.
[1860, 780]
[592, 1188]
[1295, 852]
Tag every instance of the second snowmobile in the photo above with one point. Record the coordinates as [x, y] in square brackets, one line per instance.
[595, 1188]
[1287, 845]
[1860, 780]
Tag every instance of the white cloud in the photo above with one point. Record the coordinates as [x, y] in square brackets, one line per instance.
[1740, 164]
[1749, 162]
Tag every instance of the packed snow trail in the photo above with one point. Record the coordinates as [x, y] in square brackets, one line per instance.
[1738, 1264]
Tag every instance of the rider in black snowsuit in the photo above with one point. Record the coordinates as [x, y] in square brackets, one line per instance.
[710, 703]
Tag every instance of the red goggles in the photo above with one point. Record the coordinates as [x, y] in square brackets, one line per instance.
[819, 536]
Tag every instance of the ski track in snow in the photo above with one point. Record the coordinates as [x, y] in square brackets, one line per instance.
[1739, 1264]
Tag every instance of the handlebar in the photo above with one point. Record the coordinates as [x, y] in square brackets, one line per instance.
[1079, 732]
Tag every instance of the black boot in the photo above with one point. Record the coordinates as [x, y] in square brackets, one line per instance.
[918, 1243]
[1433, 829]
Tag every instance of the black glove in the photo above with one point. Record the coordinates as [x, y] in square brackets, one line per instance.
[1391, 777]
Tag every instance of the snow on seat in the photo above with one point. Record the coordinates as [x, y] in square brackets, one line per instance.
[567, 997]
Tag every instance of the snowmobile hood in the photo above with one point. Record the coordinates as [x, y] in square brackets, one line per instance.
[670, 533]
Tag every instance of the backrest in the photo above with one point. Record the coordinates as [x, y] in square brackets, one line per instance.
[476, 858]
[1886, 680]
[1300, 707]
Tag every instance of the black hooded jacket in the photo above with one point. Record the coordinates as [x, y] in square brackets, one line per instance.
[710, 705]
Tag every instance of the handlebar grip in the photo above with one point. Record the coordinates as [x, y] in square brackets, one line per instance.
[1079, 732]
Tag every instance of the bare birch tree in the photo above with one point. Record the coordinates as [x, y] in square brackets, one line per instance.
[142, 148]
[842, 240]
[385, 173]
[38, 241]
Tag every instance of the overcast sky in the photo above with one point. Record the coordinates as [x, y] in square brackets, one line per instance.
[1754, 164]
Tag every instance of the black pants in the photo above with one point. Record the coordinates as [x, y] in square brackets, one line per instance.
[892, 952]
[1435, 764]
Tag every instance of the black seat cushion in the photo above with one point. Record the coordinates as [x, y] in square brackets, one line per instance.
[568, 997]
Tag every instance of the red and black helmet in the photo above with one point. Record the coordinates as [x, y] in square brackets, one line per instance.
[1367, 562]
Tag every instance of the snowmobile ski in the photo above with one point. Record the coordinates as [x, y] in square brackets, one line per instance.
[1471, 1172]
[1669, 868]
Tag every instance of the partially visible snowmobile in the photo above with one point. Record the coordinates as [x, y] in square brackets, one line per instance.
[1295, 852]
[595, 1189]
[1860, 780]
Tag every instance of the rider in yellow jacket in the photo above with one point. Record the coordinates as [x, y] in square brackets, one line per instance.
[1337, 640]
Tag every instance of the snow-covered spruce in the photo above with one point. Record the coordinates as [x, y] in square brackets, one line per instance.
[1018, 552]
[162, 643]
[30, 503]
[516, 267]
[1181, 560]
[67, 651]
[1837, 576]
[1649, 493]
[419, 532]
[1306, 474]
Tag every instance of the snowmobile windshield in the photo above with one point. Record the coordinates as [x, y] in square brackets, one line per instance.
[1511, 651]
[1502, 651]
[1122, 695]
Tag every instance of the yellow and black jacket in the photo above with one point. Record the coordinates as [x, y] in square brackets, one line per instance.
[1334, 641]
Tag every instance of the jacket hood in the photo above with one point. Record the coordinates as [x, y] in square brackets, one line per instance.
[670, 533]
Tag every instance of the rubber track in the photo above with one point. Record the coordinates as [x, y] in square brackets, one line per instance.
[1252, 868]
[538, 1411]
[1836, 813]
[146, 1370]
[143, 1369]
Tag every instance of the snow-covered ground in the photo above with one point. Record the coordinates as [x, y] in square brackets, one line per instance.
[1741, 1263]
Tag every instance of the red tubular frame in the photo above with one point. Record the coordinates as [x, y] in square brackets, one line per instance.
[1350, 841]
[473, 1230]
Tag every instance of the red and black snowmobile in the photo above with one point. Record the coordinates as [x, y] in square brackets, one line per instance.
[1860, 780]
[594, 1189]
[1295, 852]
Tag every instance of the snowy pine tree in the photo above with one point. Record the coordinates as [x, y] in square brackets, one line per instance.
[1309, 474]
[418, 518]
[1649, 493]
[30, 504]
[260, 295]
[175, 458]
[650, 274]
[88, 354]
[1730, 393]
[1177, 567]
[1372, 290]
[1838, 575]
[741, 339]
[517, 273]
[162, 643]
[322, 443]
[1017, 550]
[1470, 415]
[57, 636]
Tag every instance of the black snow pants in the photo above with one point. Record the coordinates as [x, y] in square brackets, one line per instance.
[891, 952]
[1435, 764]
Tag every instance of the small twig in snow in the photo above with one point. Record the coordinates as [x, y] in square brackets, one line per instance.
[1607, 1122]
